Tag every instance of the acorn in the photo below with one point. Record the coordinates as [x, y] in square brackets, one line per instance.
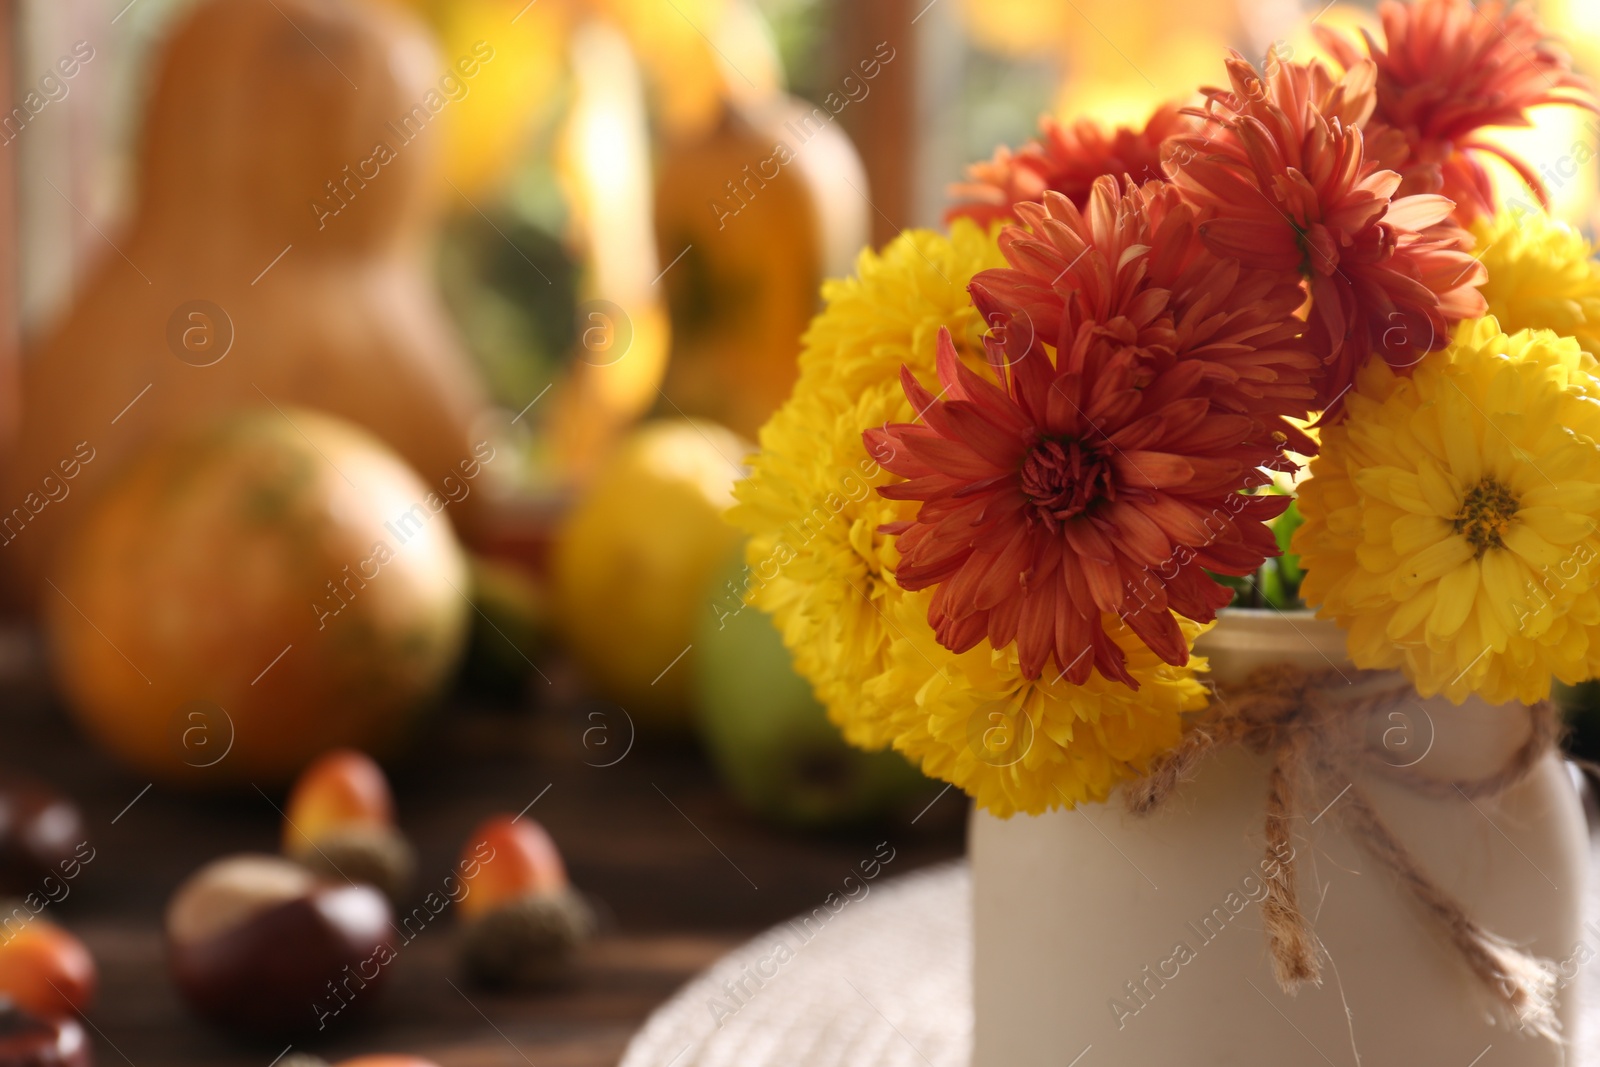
[522, 920]
[44, 970]
[261, 945]
[339, 823]
[40, 831]
[29, 1041]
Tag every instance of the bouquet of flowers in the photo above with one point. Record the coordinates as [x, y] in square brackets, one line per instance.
[1290, 330]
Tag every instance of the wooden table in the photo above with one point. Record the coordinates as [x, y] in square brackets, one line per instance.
[682, 876]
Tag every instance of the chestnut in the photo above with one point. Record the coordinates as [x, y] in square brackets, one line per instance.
[28, 1041]
[339, 822]
[43, 969]
[40, 831]
[261, 945]
[523, 921]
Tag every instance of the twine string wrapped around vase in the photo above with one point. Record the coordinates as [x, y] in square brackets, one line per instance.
[1284, 713]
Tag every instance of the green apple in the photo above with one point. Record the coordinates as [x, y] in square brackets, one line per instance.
[769, 738]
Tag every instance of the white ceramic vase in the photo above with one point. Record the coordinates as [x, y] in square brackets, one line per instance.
[1103, 938]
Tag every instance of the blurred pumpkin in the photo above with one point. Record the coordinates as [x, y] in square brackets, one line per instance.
[277, 252]
[1175, 45]
[684, 47]
[761, 210]
[487, 127]
[553, 276]
[620, 65]
[684, 65]
[677, 43]
[254, 592]
[632, 561]
[622, 328]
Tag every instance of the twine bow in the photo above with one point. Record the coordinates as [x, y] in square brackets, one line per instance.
[1283, 713]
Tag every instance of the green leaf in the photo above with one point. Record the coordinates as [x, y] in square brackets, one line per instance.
[1244, 590]
[1273, 588]
[1289, 563]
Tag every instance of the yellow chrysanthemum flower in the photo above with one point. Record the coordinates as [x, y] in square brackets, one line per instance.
[1029, 744]
[1450, 519]
[1542, 276]
[890, 312]
[820, 566]
[818, 563]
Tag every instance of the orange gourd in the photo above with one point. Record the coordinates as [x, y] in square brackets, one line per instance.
[277, 254]
[767, 204]
[248, 595]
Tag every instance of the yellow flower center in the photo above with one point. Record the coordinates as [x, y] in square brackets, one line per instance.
[1485, 515]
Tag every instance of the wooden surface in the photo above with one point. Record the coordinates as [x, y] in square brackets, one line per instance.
[680, 873]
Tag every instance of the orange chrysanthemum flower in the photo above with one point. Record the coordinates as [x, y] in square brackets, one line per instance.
[1284, 177]
[1141, 383]
[1448, 69]
[1066, 160]
[1240, 323]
